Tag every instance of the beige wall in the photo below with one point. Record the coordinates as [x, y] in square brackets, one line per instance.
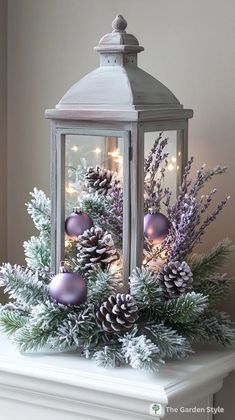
[3, 131]
[3, 128]
[189, 47]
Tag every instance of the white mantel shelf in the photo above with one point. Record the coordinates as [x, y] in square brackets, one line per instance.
[65, 386]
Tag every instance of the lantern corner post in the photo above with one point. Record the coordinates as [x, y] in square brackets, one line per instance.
[126, 210]
[182, 152]
[137, 195]
[57, 183]
[53, 189]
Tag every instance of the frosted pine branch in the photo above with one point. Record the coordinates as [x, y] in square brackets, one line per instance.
[94, 205]
[186, 307]
[140, 352]
[169, 341]
[144, 287]
[41, 326]
[102, 284]
[23, 285]
[39, 208]
[219, 327]
[11, 321]
[110, 356]
[206, 264]
[38, 253]
[216, 287]
[76, 331]
[106, 212]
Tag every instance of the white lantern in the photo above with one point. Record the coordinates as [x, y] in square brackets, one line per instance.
[111, 118]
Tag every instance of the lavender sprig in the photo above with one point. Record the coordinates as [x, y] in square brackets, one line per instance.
[149, 160]
[187, 226]
[204, 176]
[154, 170]
[208, 201]
[210, 219]
[173, 211]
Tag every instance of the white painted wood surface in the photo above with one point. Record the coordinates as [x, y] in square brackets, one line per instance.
[65, 386]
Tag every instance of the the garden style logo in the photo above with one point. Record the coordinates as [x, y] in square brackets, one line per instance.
[156, 409]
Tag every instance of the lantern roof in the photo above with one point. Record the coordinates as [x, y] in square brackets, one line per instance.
[118, 89]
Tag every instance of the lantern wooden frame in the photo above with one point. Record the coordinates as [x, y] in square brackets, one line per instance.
[139, 106]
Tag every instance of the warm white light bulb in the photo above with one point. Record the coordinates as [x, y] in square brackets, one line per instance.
[70, 189]
[97, 150]
[119, 160]
[173, 159]
[114, 154]
[74, 148]
[170, 167]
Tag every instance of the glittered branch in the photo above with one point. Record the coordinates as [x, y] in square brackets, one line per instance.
[154, 176]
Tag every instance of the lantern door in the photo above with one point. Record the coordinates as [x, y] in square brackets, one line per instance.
[90, 190]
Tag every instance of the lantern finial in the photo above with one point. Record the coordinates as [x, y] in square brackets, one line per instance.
[119, 24]
[118, 42]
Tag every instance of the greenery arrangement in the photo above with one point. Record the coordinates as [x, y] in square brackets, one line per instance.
[172, 298]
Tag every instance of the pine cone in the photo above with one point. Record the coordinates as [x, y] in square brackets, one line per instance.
[175, 279]
[96, 247]
[117, 314]
[99, 180]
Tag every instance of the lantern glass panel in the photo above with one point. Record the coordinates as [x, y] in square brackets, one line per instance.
[81, 153]
[160, 175]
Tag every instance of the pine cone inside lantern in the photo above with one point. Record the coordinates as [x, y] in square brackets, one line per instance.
[96, 247]
[99, 180]
[175, 279]
[117, 314]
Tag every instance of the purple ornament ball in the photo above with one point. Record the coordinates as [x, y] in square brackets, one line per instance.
[76, 223]
[68, 288]
[156, 227]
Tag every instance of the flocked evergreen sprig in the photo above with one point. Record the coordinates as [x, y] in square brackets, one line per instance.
[171, 302]
[37, 249]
